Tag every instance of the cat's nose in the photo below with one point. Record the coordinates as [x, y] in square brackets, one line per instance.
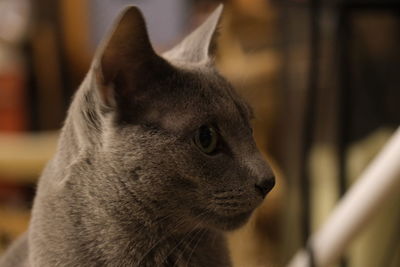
[264, 185]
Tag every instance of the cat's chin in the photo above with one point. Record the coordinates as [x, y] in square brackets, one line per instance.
[229, 222]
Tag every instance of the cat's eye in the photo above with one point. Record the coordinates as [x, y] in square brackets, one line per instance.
[206, 138]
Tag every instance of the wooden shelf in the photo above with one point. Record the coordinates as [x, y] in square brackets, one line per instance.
[23, 156]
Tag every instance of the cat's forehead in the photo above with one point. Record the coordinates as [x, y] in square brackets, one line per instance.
[200, 95]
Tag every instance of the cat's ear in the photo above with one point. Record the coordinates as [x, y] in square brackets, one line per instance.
[200, 45]
[125, 57]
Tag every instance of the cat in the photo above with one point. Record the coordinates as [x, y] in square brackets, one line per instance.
[155, 161]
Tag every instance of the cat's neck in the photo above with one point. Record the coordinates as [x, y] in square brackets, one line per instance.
[200, 247]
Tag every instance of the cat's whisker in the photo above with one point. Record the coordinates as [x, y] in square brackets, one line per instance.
[195, 246]
[214, 239]
[231, 197]
[229, 203]
[189, 241]
[198, 217]
[218, 192]
[181, 222]
[201, 217]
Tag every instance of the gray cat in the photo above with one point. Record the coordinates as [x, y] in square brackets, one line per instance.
[155, 161]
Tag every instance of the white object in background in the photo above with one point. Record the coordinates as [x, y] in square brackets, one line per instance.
[380, 179]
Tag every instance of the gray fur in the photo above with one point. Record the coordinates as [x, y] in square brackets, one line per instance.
[127, 186]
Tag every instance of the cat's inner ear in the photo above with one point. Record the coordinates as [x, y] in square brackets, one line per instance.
[200, 45]
[124, 56]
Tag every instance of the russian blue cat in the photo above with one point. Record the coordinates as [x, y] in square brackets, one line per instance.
[156, 160]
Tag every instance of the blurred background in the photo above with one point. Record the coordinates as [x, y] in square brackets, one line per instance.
[322, 76]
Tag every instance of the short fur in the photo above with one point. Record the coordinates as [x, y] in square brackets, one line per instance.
[128, 186]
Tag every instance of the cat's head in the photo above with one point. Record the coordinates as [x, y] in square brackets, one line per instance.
[175, 136]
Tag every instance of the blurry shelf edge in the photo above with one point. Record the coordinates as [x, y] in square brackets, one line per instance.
[23, 156]
[13, 223]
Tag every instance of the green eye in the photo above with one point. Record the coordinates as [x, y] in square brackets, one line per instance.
[206, 138]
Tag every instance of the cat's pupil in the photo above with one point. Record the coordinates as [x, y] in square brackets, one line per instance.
[205, 136]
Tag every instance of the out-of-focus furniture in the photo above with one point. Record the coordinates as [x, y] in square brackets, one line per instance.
[22, 158]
